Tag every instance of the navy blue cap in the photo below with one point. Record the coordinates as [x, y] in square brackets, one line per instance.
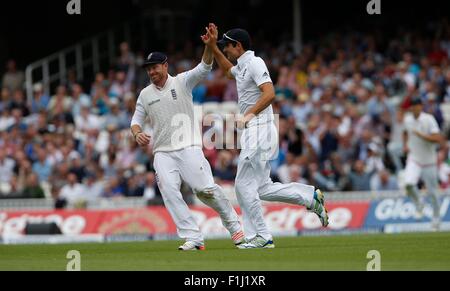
[155, 58]
[416, 101]
[236, 35]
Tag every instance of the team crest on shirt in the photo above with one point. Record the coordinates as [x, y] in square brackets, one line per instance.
[174, 94]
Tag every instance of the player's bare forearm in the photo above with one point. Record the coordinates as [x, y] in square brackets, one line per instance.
[224, 64]
[266, 99]
[435, 137]
[135, 129]
[208, 57]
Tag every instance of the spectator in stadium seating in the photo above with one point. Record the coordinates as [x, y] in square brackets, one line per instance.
[216, 87]
[302, 109]
[18, 102]
[6, 167]
[359, 178]
[40, 100]
[199, 92]
[120, 86]
[224, 169]
[383, 181]
[6, 120]
[78, 168]
[329, 137]
[94, 188]
[61, 99]
[32, 188]
[322, 179]
[42, 166]
[378, 103]
[437, 55]
[126, 157]
[61, 118]
[362, 145]
[100, 102]
[116, 119]
[432, 107]
[59, 175]
[86, 121]
[11, 190]
[79, 99]
[230, 93]
[18, 121]
[296, 175]
[73, 192]
[283, 172]
[126, 60]
[54, 154]
[114, 188]
[134, 187]
[23, 168]
[444, 168]
[374, 161]
[99, 82]
[5, 98]
[13, 79]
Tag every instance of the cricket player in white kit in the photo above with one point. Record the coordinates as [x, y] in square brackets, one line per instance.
[421, 137]
[177, 146]
[259, 140]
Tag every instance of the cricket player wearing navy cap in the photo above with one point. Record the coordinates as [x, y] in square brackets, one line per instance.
[259, 140]
[421, 137]
[177, 146]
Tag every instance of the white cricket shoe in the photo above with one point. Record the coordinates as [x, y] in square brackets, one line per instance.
[191, 246]
[435, 224]
[318, 207]
[258, 242]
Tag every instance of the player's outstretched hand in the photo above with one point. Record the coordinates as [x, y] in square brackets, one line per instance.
[210, 38]
[143, 139]
[205, 38]
[213, 32]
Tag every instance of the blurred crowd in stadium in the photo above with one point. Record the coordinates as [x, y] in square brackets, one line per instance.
[341, 102]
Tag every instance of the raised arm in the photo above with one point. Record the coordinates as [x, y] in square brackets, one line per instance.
[194, 76]
[211, 41]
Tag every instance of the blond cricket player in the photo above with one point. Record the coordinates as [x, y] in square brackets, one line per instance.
[177, 146]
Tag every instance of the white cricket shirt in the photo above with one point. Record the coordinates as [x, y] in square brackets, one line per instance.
[250, 73]
[421, 151]
[170, 111]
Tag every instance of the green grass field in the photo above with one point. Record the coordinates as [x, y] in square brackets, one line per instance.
[419, 251]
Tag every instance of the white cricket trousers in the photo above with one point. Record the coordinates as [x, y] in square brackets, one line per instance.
[429, 175]
[253, 183]
[191, 166]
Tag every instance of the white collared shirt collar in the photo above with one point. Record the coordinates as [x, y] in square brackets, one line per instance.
[247, 56]
[169, 78]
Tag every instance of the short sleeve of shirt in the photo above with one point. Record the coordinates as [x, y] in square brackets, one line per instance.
[433, 126]
[140, 114]
[259, 72]
[234, 71]
[407, 123]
